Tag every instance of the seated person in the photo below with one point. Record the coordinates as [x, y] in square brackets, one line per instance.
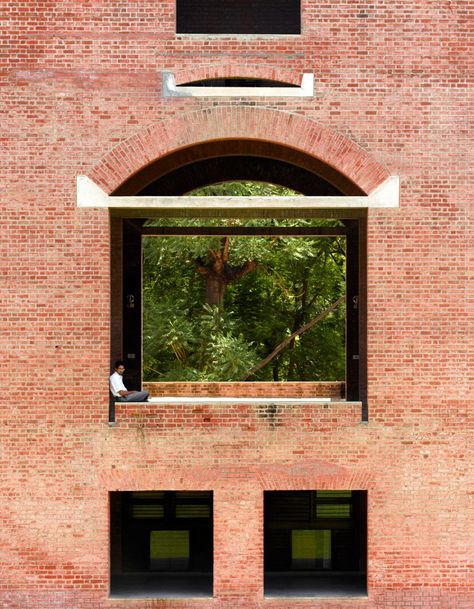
[118, 389]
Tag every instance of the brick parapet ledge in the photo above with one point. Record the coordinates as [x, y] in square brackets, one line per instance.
[305, 416]
[297, 389]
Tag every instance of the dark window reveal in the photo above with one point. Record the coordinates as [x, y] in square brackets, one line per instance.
[315, 543]
[161, 543]
[238, 17]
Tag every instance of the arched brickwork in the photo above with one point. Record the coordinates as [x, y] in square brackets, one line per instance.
[290, 131]
[226, 70]
[307, 476]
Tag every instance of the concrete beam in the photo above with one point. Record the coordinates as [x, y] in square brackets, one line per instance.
[171, 89]
[90, 195]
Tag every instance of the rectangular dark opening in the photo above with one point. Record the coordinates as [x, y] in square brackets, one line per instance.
[243, 17]
[161, 544]
[315, 543]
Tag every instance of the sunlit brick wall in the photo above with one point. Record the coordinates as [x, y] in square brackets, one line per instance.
[80, 80]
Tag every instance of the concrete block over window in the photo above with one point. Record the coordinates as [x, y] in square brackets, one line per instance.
[236, 88]
[91, 195]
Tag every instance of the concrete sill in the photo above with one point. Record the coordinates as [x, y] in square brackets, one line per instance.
[268, 598]
[203, 400]
[149, 597]
[239, 400]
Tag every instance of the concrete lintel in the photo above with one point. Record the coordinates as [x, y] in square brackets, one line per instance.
[90, 195]
[171, 89]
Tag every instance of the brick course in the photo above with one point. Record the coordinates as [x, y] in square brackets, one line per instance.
[81, 94]
[334, 390]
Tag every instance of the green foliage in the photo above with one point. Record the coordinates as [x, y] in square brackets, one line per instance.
[243, 189]
[295, 279]
[202, 346]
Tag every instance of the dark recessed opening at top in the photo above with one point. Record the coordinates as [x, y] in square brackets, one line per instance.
[239, 82]
[244, 17]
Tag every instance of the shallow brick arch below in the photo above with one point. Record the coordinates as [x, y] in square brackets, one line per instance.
[228, 70]
[305, 476]
[287, 130]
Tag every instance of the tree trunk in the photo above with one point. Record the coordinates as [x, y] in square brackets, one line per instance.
[218, 273]
[215, 290]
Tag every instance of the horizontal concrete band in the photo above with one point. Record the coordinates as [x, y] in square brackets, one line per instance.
[208, 400]
[91, 195]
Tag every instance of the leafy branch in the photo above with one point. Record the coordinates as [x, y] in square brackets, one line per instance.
[285, 343]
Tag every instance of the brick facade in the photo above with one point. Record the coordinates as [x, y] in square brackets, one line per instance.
[256, 390]
[81, 94]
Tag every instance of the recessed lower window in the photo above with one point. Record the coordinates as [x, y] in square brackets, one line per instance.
[315, 543]
[161, 544]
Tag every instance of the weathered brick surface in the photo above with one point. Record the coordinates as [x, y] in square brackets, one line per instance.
[81, 94]
[252, 417]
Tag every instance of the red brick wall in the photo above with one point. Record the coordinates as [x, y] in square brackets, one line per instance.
[247, 390]
[80, 83]
[249, 417]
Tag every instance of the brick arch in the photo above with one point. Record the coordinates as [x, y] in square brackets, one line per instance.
[314, 475]
[227, 70]
[297, 476]
[286, 130]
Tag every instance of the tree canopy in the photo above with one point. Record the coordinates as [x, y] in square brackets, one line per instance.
[234, 308]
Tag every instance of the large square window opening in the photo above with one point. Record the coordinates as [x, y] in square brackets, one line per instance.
[218, 299]
[161, 544]
[245, 308]
[315, 543]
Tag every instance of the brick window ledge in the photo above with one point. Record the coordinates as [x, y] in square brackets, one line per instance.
[245, 389]
[166, 414]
